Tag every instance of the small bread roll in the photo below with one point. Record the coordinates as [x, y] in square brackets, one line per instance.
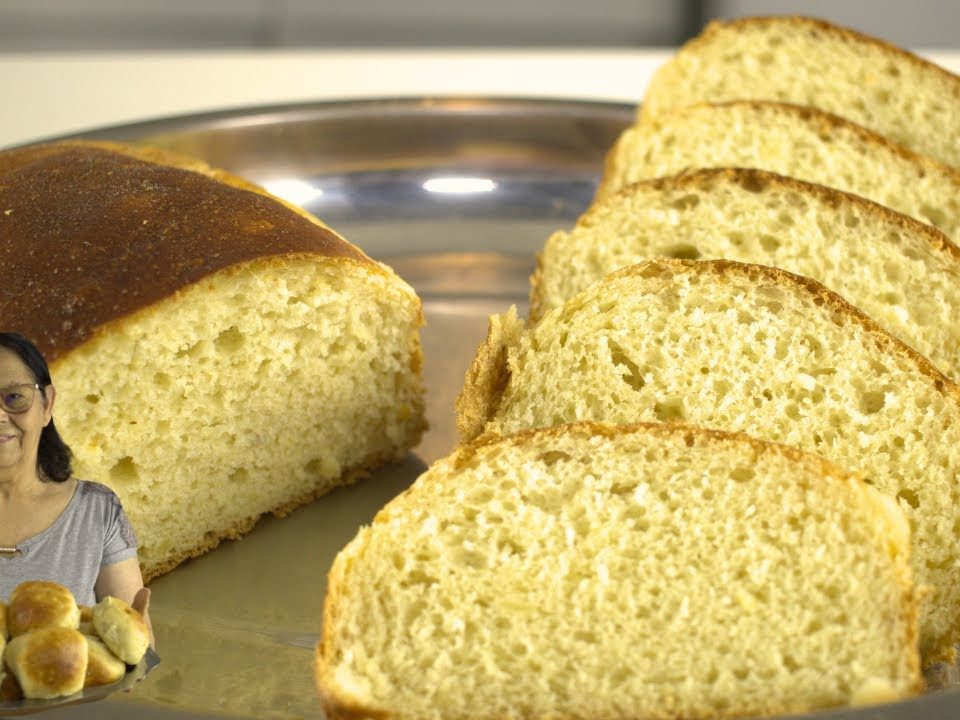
[40, 603]
[49, 662]
[122, 628]
[3, 627]
[103, 667]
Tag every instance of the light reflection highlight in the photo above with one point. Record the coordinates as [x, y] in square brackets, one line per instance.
[296, 191]
[459, 185]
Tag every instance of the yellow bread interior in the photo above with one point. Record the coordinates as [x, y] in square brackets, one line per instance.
[787, 140]
[811, 62]
[646, 571]
[903, 274]
[256, 389]
[752, 349]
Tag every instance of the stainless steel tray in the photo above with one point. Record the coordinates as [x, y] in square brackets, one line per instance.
[457, 194]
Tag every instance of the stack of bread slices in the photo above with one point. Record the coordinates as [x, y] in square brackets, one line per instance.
[644, 518]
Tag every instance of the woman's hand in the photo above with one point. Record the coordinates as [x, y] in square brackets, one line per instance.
[141, 603]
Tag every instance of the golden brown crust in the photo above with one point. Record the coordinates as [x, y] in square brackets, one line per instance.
[39, 603]
[487, 376]
[89, 234]
[49, 661]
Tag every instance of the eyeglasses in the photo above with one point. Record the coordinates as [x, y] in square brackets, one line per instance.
[18, 398]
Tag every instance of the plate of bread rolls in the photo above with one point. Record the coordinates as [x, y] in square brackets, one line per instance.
[686, 442]
[56, 652]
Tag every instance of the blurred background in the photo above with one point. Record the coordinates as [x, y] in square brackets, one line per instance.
[77, 25]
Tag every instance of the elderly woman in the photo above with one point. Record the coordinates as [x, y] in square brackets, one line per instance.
[52, 525]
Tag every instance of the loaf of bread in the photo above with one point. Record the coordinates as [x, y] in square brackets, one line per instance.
[789, 140]
[753, 349]
[621, 572]
[902, 273]
[811, 62]
[40, 603]
[103, 667]
[48, 662]
[217, 354]
[122, 629]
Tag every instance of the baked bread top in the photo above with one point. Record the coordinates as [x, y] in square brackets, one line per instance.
[753, 349]
[92, 232]
[592, 571]
[812, 62]
[902, 273]
[800, 142]
[39, 603]
[48, 662]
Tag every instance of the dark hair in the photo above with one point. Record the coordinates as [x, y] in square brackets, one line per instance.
[53, 455]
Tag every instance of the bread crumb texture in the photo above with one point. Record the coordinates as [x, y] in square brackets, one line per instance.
[648, 571]
[811, 62]
[907, 274]
[254, 390]
[789, 140]
[754, 349]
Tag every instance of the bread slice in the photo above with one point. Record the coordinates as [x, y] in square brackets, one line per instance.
[789, 140]
[217, 354]
[902, 273]
[753, 349]
[621, 572]
[811, 62]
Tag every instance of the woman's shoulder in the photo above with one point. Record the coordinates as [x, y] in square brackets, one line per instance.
[89, 491]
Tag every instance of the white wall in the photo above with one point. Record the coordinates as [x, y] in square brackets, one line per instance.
[152, 24]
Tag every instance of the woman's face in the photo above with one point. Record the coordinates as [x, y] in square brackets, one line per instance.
[20, 432]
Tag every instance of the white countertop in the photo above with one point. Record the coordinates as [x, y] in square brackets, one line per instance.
[53, 94]
[56, 94]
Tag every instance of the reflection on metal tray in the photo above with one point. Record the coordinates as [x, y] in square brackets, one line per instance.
[457, 195]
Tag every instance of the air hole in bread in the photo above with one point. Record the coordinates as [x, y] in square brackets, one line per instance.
[671, 409]
[909, 497]
[683, 251]
[769, 243]
[630, 374]
[552, 457]
[743, 473]
[92, 399]
[240, 475]
[124, 471]
[934, 215]
[685, 202]
[194, 351]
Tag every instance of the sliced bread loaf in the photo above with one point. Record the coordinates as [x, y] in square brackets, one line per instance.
[753, 349]
[621, 572]
[217, 354]
[811, 62]
[902, 273]
[789, 140]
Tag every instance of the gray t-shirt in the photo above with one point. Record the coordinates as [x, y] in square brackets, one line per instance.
[91, 532]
